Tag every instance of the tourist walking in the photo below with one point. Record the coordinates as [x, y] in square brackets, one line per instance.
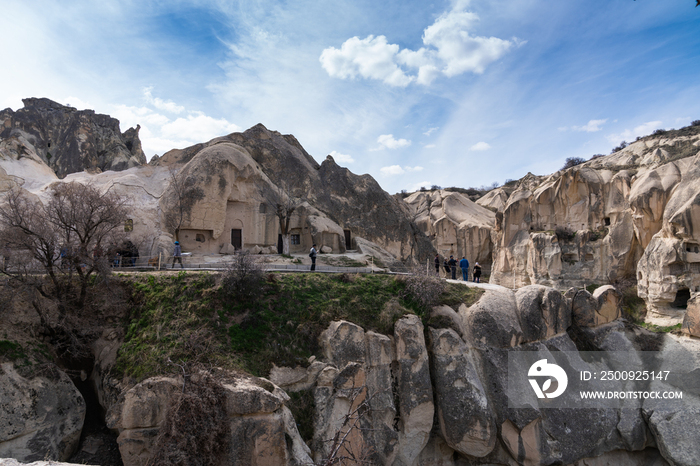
[464, 265]
[446, 266]
[453, 267]
[437, 264]
[177, 255]
[477, 273]
[312, 255]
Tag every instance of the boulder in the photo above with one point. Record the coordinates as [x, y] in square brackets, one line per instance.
[326, 249]
[543, 312]
[602, 307]
[297, 378]
[463, 409]
[40, 417]
[259, 423]
[343, 342]
[493, 320]
[414, 389]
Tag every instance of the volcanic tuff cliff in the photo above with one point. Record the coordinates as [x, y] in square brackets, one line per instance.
[71, 140]
[634, 214]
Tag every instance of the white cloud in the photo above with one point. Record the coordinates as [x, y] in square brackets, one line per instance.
[630, 135]
[198, 127]
[430, 146]
[341, 158]
[392, 170]
[459, 51]
[430, 131]
[398, 170]
[160, 104]
[450, 50]
[387, 141]
[371, 57]
[591, 127]
[479, 146]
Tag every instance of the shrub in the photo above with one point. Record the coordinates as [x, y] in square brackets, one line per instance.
[424, 289]
[622, 145]
[196, 430]
[572, 162]
[243, 277]
[596, 156]
[564, 234]
[695, 123]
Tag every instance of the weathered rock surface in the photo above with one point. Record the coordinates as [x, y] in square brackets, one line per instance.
[464, 413]
[259, 422]
[456, 225]
[71, 141]
[41, 417]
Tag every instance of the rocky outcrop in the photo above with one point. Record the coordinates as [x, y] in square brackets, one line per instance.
[355, 203]
[40, 417]
[468, 418]
[456, 225]
[632, 214]
[71, 141]
[261, 429]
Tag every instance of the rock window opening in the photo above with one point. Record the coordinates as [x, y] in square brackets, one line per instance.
[263, 209]
[296, 239]
[570, 258]
[682, 297]
[607, 221]
[129, 145]
[589, 257]
[199, 238]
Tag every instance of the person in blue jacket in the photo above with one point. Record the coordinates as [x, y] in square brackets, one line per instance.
[464, 265]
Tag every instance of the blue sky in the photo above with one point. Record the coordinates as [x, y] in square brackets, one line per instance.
[450, 93]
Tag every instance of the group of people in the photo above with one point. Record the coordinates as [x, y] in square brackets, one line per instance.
[451, 268]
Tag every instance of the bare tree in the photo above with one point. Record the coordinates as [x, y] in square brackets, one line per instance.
[186, 194]
[66, 236]
[283, 203]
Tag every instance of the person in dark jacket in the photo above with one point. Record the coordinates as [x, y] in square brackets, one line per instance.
[453, 267]
[477, 273]
[446, 266]
[177, 255]
[437, 264]
[312, 255]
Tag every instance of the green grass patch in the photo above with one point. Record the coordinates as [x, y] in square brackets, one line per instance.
[11, 350]
[659, 328]
[186, 319]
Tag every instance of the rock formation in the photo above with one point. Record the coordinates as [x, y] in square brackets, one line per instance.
[39, 417]
[630, 215]
[71, 141]
[456, 225]
[445, 401]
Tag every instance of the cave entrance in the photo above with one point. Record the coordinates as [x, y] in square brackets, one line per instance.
[348, 239]
[682, 297]
[237, 238]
